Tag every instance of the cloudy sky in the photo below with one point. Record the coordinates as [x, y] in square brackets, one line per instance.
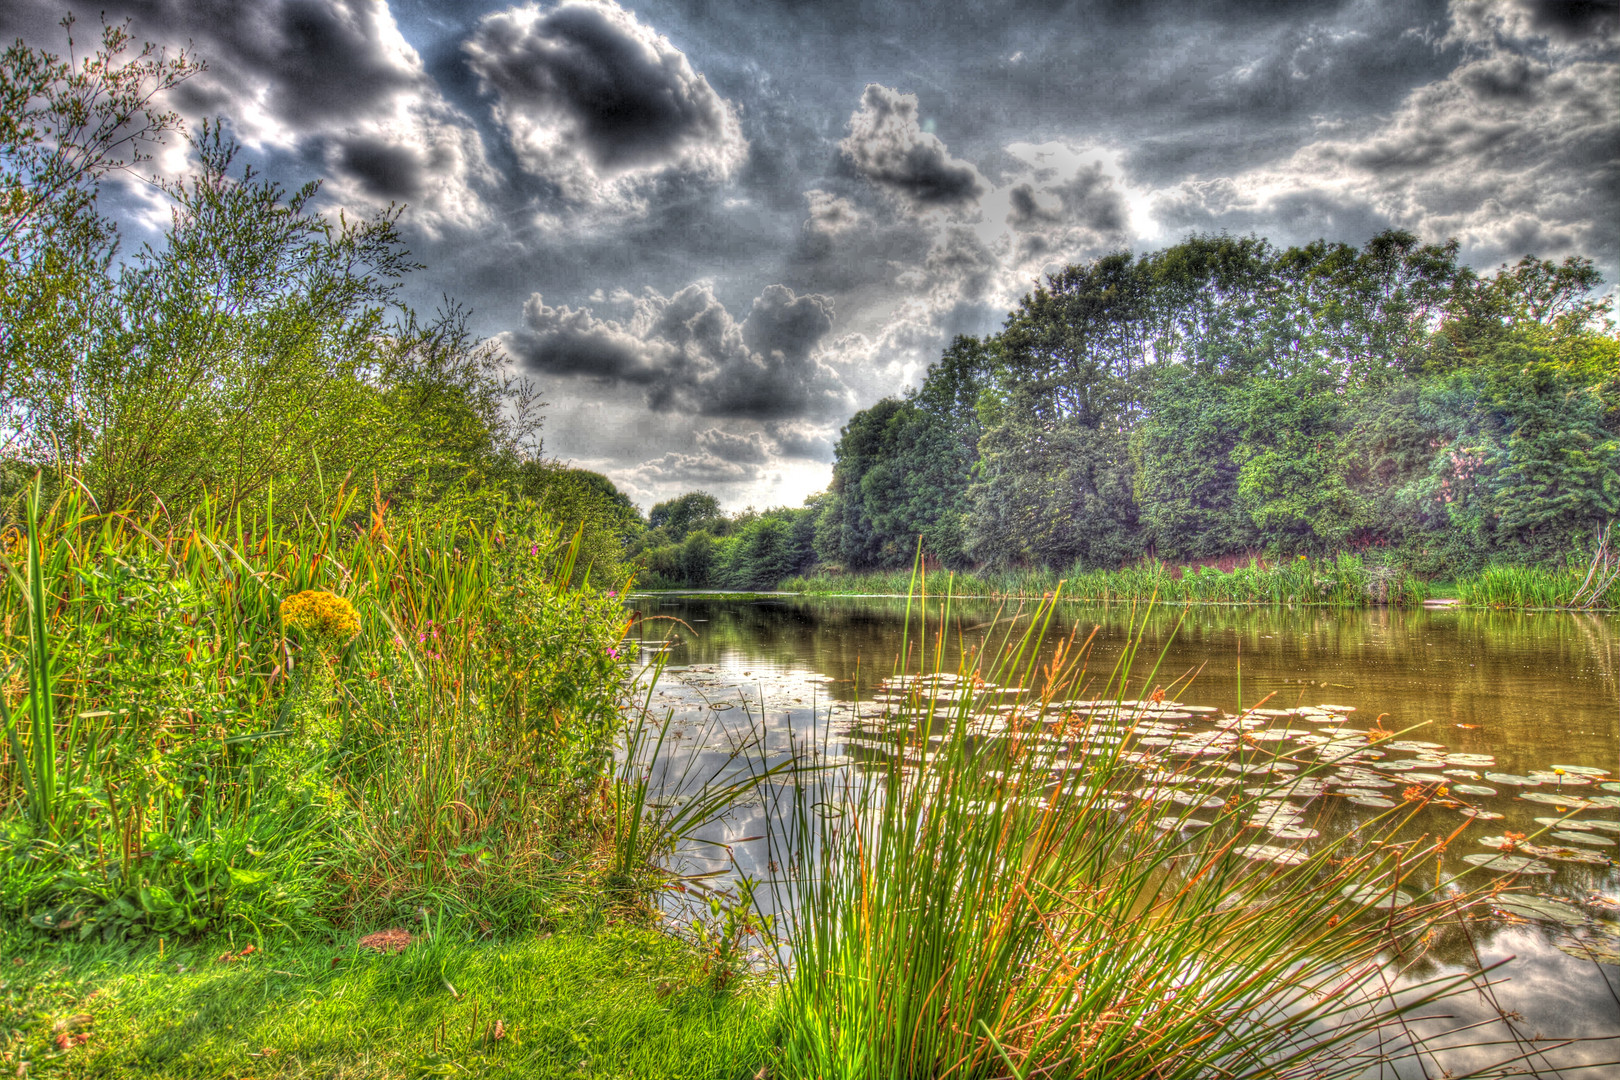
[713, 230]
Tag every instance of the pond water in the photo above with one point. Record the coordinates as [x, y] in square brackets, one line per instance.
[1516, 716]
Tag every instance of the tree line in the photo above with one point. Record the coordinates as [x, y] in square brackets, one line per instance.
[1223, 397]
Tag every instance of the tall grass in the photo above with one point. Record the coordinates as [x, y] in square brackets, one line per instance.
[998, 908]
[1344, 581]
[176, 759]
[1537, 587]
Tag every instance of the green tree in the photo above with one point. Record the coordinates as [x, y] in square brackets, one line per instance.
[65, 125]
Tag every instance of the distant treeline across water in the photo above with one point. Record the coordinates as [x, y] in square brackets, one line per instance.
[1222, 396]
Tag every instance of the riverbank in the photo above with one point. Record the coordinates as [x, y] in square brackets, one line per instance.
[1343, 582]
[595, 999]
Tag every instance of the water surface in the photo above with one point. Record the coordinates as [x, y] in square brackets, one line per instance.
[1516, 714]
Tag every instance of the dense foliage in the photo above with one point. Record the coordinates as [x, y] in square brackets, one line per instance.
[690, 543]
[1225, 398]
[298, 621]
[225, 720]
[1223, 402]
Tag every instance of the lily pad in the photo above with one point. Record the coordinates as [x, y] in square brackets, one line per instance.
[1560, 781]
[1583, 770]
[1513, 779]
[1540, 909]
[1585, 856]
[1375, 896]
[1272, 853]
[1564, 823]
[1473, 789]
[1507, 864]
[1603, 950]
[1481, 815]
[1569, 836]
[1552, 798]
[1376, 802]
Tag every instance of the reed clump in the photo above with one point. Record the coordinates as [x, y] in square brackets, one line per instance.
[1019, 892]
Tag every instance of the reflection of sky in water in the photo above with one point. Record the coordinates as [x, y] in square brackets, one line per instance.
[1526, 692]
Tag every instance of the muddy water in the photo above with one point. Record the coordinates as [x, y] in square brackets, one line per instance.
[1518, 715]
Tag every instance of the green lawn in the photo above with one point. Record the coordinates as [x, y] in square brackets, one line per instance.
[624, 1001]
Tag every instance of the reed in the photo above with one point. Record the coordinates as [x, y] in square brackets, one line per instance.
[1537, 587]
[1345, 581]
[991, 903]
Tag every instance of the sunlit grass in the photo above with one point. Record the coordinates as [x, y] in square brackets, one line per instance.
[593, 1001]
[177, 761]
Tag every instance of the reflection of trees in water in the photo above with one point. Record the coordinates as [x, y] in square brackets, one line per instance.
[1532, 688]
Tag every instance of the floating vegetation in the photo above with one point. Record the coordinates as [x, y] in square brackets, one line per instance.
[1374, 896]
[1508, 864]
[1540, 909]
[1551, 798]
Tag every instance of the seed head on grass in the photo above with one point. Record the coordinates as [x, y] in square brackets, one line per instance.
[323, 616]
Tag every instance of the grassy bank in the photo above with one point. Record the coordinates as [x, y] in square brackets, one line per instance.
[1345, 581]
[593, 1001]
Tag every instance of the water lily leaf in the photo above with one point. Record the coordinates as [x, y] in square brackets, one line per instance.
[1507, 864]
[1375, 896]
[1473, 789]
[1540, 909]
[1571, 837]
[1551, 798]
[1272, 853]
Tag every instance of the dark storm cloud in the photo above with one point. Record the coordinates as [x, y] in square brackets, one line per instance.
[749, 449]
[1089, 199]
[386, 170]
[686, 353]
[320, 59]
[1573, 19]
[888, 146]
[586, 87]
[329, 86]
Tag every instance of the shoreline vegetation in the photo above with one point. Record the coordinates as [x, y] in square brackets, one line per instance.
[1346, 582]
[269, 745]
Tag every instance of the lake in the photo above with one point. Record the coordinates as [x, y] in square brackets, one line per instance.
[1516, 715]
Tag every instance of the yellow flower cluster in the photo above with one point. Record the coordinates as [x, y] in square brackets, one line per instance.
[323, 616]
